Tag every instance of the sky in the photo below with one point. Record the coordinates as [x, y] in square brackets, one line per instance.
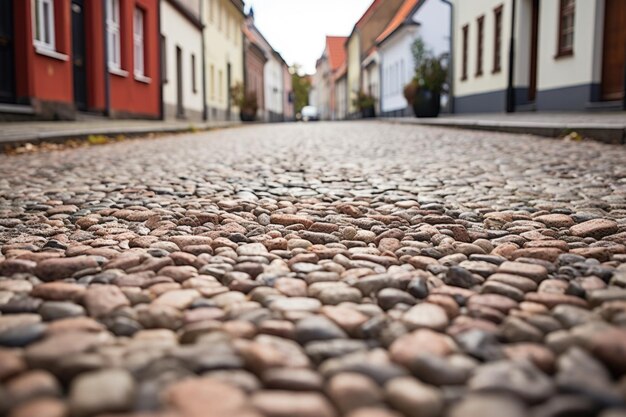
[297, 28]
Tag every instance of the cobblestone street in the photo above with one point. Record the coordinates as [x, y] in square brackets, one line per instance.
[359, 269]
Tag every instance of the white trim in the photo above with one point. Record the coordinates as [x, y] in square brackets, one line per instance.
[117, 71]
[114, 45]
[139, 49]
[40, 24]
[51, 54]
[143, 79]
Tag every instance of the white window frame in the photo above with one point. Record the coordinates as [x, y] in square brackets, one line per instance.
[41, 23]
[114, 38]
[139, 46]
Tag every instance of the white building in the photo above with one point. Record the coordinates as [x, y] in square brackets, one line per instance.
[370, 77]
[181, 53]
[567, 55]
[428, 19]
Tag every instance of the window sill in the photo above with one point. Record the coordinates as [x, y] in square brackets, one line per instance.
[51, 54]
[564, 54]
[118, 71]
[143, 79]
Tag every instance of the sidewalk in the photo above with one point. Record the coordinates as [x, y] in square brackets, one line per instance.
[604, 127]
[15, 133]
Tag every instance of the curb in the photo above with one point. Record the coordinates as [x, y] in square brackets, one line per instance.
[132, 131]
[615, 135]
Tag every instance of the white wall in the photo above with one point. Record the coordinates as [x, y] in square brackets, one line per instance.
[466, 13]
[341, 98]
[397, 63]
[223, 45]
[585, 65]
[273, 74]
[178, 31]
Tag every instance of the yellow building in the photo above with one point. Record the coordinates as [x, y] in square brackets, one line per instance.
[223, 46]
[354, 70]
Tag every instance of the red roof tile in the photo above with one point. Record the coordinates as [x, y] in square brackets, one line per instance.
[368, 12]
[336, 51]
[398, 19]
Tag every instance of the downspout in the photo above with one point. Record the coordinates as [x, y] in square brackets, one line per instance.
[510, 91]
[107, 84]
[451, 59]
[160, 52]
[205, 111]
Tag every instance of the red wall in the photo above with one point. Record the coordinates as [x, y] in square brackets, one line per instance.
[51, 80]
[39, 76]
[128, 94]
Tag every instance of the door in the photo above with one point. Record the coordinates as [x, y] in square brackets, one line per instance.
[228, 86]
[7, 68]
[614, 50]
[180, 109]
[534, 39]
[78, 54]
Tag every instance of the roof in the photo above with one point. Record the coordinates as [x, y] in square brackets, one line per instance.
[336, 51]
[404, 12]
[368, 13]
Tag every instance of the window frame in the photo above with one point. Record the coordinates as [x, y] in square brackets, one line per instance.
[139, 42]
[566, 50]
[464, 52]
[480, 45]
[194, 83]
[497, 42]
[39, 25]
[114, 35]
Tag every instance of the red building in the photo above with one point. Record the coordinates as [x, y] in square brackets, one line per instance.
[60, 57]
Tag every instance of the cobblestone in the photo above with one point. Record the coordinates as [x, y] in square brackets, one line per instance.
[357, 268]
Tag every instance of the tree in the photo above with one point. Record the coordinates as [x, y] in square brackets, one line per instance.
[301, 85]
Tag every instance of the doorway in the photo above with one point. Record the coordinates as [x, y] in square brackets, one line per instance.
[79, 58]
[614, 50]
[534, 45]
[180, 108]
[7, 57]
[228, 86]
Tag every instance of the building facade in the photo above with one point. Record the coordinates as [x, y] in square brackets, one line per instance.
[223, 52]
[63, 57]
[288, 101]
[426, 19]
[567, 55]
[362, 41]
[181, 59]
[327, 66]
[255, 59]
[341, 93]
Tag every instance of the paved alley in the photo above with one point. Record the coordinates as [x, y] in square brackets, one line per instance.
[360, 269]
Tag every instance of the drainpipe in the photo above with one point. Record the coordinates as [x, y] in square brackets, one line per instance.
[510, 91]
[451, 59]
[160, 52]
[107, 86]
[205, 111]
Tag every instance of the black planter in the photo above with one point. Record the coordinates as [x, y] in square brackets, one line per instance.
[368, 112]
[427, 103]
[247, 116]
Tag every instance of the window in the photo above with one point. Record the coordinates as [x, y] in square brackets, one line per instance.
[138, 42]
[566, 28]
[497, 46]
[43, 24]
[163, 59]
[479, 47]
[465, 47]
[212, 81]
[219, 15]
[194, 85]
[113, 34]
[220, 88]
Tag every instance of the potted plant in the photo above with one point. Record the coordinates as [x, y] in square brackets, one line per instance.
[246, 101]
[424, 91]
[366, 104]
